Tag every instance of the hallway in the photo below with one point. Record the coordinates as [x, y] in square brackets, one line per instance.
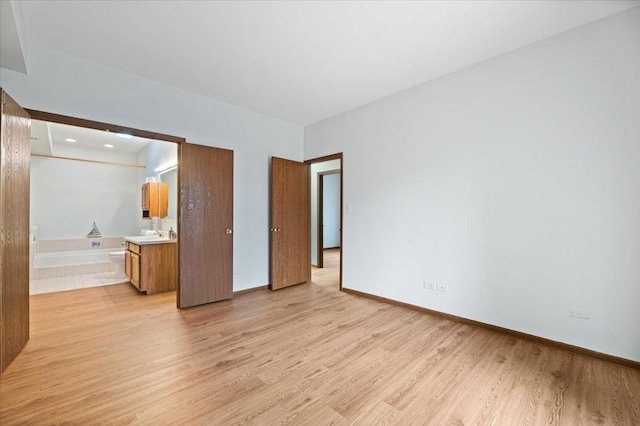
[329, 275]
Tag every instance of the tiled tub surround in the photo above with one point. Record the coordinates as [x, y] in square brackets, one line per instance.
[61, 260]
[80, 244]
[59, 264]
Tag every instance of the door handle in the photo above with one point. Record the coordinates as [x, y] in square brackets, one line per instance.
[274, 229]
[229, 231]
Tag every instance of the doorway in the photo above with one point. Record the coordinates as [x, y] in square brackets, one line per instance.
[326, 185]
[14, 253]
[85, 196]
[196, 190]
[327, 214]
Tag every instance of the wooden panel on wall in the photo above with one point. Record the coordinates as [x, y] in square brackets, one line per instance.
[205, 231]
[14, 228]
[290, 223]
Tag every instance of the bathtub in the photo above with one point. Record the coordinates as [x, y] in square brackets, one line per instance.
[66, 258]
[59, 258]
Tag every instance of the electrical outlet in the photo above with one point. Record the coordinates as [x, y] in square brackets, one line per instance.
[442, 287]
[428, 285]
[580, 313]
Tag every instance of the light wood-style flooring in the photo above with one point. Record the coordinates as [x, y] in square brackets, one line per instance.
[306, 355]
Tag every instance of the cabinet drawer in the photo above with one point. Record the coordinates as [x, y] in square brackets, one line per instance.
[133, 247]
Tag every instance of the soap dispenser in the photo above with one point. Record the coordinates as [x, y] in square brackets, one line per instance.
[172, 234]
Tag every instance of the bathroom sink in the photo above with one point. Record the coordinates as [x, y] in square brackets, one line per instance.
[148, 239]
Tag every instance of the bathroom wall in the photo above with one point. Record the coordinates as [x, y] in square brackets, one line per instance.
[158, 154]
[67, 196]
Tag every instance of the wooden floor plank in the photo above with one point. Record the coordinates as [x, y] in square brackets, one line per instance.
[305, 355]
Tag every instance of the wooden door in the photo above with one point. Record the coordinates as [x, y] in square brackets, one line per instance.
[15, 140]
[290, 223]
[205, 231]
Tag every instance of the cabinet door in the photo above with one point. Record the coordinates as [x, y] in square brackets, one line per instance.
[135, 270]
[127, 264]
[145, 196]
[152, 200]
[163, 199]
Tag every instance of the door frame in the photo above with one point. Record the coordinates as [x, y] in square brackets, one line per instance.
[337, 156]
[320, 214]
[97, 125]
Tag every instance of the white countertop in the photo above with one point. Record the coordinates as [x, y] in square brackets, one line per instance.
[144, 240]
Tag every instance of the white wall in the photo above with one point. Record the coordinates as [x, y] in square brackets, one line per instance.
[67, 196]
[66, 85]
[331, 211]
[315, 169]
[516, 182]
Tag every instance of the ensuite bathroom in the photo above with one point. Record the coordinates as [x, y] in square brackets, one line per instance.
[88, 192]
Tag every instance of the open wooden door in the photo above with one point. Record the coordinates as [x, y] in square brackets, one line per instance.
[15, 140]
[205, 231]
[290, 223]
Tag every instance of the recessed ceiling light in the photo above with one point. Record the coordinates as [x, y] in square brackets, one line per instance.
[108, 145]
[70, 140]
[124, 135]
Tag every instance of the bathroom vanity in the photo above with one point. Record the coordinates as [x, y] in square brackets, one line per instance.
[151, 264]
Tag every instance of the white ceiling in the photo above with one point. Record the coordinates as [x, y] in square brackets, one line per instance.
[45, 134]
[300, 61]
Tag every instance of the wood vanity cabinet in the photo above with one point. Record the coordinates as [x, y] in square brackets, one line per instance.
[155, 200]
[132, 264]
[152, 268]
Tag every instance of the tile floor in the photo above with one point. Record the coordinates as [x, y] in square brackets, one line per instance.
[71, 282]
